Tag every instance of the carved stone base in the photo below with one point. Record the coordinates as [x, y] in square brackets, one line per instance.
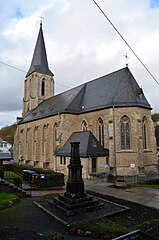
[72, 204]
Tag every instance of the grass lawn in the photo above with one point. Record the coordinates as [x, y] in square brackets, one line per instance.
[145, 185]
[136, 217]
[10, 174]
[102, 226]
[6, 199]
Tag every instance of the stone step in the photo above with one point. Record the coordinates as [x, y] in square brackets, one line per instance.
[72, 212]
[10, 187]
[74, 205]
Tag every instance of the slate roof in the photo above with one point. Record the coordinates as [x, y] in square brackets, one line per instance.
[5, 156]
[39, 61]
[89, 145]
[118, 89]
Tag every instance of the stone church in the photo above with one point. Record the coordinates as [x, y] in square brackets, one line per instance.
[110, 117]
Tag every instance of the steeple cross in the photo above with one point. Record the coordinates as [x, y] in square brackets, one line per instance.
[126, 57]
[41, 19]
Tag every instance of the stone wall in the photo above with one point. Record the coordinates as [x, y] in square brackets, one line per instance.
[36, 141]
[33, 90]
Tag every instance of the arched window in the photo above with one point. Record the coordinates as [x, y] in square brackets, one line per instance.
[30, 87]
[84, 125]
[28, 106]
[43, 87]
[101, 131]
[35, 141]
[44, 137]
[55, 132]
[144, 132]
[125, 132]
[55, 136]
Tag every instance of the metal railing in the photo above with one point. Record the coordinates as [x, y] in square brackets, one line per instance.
[139, 178]
[154, 231]
[136, 235]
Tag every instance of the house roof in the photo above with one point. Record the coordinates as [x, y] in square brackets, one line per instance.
[5, 156]
[118, 89]
[39, 61]
[89, 145]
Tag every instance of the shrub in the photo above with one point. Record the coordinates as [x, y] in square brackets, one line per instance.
[1, 173]
[17, 181]
[51, 180]
[54, 236]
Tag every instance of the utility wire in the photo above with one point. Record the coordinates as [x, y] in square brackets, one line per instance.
[12, 67]
[8, 65]
[125, 42]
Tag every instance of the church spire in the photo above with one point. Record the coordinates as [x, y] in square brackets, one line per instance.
[39, 61]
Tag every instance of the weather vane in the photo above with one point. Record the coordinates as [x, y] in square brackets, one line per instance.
[126, 57]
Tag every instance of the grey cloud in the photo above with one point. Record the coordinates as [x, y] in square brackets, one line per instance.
[80, 43]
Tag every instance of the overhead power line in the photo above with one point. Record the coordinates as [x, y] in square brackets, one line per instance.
[125, 42]
[12, 67]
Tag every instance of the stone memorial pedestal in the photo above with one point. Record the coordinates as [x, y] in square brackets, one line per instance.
[75, 200]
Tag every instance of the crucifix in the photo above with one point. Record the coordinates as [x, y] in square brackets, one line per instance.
[126, 56]
[41, 19]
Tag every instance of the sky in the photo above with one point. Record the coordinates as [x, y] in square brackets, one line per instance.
[81, 45]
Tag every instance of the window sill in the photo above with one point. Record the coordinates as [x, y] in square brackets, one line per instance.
[147, 150]
[126, 151]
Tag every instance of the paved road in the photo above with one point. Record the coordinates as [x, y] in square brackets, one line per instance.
[144, 196]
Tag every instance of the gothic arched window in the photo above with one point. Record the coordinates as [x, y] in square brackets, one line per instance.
[84, 125]
[55, 132]
[144, 132]
[28, 106]
[101, 131]
[125, 132]
[43, 87]
[44, 137]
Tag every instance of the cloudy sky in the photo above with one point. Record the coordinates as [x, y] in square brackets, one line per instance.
[81, 44]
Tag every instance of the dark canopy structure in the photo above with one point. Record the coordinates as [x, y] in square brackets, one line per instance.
[89, 145]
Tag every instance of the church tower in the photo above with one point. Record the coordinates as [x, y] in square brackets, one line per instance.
[39, 82]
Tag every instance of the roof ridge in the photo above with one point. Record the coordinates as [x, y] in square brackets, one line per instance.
[107, 74]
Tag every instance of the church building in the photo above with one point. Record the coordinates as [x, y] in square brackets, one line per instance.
[110, 117]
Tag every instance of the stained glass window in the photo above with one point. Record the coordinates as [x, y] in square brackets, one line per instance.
[144, 132]
[125, 132]
[101, 131]
[84, 125]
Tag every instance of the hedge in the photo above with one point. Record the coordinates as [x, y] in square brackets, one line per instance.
[52, 179]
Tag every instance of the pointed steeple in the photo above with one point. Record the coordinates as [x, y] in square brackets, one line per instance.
[39, 61]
